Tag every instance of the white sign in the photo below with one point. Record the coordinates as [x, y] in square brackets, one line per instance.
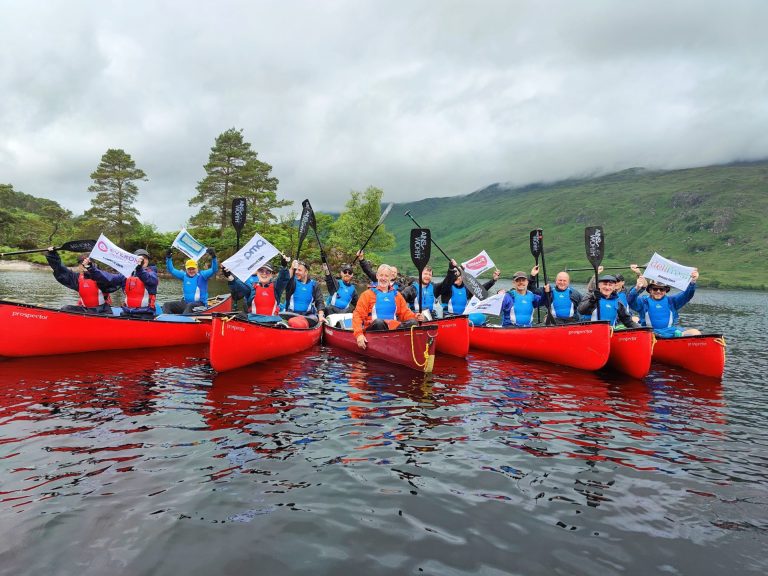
[109, 253]
[250, 257]
[479, 264]
[189, 245]
[491, 305]
[668, 272]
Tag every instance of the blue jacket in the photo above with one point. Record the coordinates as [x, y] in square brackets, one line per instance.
[194, 288]
[663, 313]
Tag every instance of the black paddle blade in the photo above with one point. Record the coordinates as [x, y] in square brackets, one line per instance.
[594, 243]
[239, 208]
[78, 245]
[421, 246]
[473, 285]
[304, 223]
[536, 243]
[307, 208]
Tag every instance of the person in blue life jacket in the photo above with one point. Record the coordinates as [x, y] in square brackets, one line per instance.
[262, 296]
[619, 288]
[345, 298]
[431, 307]
[454, 295]
[94, 296]
[563, 301]
[194, 284]
[519, 304]
[611, 308]
[140, 288]
[303, 295]
[660, 310]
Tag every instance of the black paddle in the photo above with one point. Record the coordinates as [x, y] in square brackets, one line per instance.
[239, 209]
[536, 252]
[304, 223]
[627, 267]
[421, 247]
[594, 243]
[472, 283]
[330, 281]
[381, 219]
[71, 246]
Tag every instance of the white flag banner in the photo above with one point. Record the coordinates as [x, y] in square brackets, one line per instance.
[250, 257]
[110, 254]
[191, 247]
[668, 272]
[491, 305]
[479, 264]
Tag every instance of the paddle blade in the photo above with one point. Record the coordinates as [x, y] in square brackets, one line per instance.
[78, 245]
[594, 244]
[239, 208]
[473, 285]
[421, 246]
[536, 243]
[304, 223]
[384, 214]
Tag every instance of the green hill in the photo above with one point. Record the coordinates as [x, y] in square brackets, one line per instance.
[714, 218]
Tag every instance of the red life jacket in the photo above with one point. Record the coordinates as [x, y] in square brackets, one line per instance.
[90, 294]
[136, 295]
[264, 301]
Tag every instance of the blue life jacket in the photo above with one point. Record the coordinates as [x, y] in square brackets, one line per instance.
[385, 307]
[521, 312]
[343, 295]
[562, 306]
[302, 300]
[623, 299]
[659, 314]
[427, 298]
[195, 288]
[458, 300]
[609, 308]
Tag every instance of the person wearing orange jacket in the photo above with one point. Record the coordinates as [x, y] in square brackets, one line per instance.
[381, 307]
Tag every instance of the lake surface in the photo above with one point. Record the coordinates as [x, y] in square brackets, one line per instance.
[149, 463]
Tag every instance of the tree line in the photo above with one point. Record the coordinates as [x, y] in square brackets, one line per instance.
[233, 170]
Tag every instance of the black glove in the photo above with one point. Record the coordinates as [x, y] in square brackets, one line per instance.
[285, 260]
[168, 253]
[139, 268]
[227, 274]
[211, 252]
[596, 294]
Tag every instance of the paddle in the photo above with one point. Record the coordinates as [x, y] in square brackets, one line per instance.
[381, 219]
[536, 252]
[330, 281]
[71, 246]
[472, 284]
[421, 247]
[239, 209]
[627, 267]
[304, 223]
[540, 240]
[594, 243]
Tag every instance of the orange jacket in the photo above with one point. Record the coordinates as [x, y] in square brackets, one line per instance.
[361, 317]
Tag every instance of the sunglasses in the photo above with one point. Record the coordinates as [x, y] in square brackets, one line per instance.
[346, 271]
[656, 289]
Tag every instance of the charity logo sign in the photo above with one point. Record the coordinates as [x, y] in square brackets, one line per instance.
[107, 252]
[187, 244]
[479, 264]
[244, 263]
[668, 272]
[491, 305]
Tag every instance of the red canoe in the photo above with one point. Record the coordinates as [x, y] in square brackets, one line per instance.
[236, 342]
[585, 345]
[412, 347]
[35, 331]
[703, 354]
[453, 335]
[631, 351]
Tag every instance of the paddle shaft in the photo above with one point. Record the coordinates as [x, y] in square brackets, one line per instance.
[379, 223]
[71, 246]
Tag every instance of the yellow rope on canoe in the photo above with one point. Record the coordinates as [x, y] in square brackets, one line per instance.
[426, 354]
[224, 320]
[721, 341]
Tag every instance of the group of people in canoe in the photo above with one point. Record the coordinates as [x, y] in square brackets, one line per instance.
[292, 296]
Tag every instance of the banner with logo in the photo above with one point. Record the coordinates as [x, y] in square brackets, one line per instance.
[110, 254]
[479, 264]
[491, 305]
[668, 272]
[188, 245]
[250, 257]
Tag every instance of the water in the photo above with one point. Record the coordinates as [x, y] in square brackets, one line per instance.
[147, 462]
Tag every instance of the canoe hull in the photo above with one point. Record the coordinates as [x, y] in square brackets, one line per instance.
[585, 345]
[631, 351]
[411, 347]
[453, 335]
[703, 354]
[36, 331]
[235, 343]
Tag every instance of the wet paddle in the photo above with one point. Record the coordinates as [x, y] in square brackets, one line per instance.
[421, 247]
[472, 284]
[381, 220]
[304, 223]
[594, 244]
[71, 246]
[536, 252]
[330, 281]
[239, 209]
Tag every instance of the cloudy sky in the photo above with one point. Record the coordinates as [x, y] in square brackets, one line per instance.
[418, 97]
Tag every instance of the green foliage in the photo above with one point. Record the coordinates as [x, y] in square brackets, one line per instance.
[234, 171]
[27, 222]
[113, 183]
[356, 223]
